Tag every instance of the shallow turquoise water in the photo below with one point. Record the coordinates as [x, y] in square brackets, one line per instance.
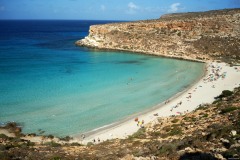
[65, 90]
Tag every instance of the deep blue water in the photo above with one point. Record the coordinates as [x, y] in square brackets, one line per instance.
[48, 83]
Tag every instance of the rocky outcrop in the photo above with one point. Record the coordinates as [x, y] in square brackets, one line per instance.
[198, 36]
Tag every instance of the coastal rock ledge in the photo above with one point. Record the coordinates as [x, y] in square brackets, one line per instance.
[197, 36]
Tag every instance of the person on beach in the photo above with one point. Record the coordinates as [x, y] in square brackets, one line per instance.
[136, 119]
[98, 140]
[140, 123]
[83, 136]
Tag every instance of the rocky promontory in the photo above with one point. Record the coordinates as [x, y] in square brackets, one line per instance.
[196, 36]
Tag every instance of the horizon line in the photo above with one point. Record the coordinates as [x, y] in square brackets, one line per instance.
[65, 20]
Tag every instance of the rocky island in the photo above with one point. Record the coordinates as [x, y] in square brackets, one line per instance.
[196, 36]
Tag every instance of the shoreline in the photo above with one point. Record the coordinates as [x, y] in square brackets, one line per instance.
[202, 92]
[142, 113]
[156, 54]
[198, 95]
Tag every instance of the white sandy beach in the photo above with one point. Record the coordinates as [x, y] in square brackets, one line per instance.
[223, 77]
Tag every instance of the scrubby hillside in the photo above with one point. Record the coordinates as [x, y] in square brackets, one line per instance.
[199, 36]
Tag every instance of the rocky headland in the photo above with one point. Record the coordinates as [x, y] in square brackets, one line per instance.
[196, 36]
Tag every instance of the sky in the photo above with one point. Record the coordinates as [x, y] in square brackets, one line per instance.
[105, 9]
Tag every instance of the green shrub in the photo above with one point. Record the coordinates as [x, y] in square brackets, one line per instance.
[187, 119]
[238, 119]
[56, 158]
[229, 109]
[3, 136]
[155, 134]
[201, 107]
[139, 134]
[216, 101]
[231, 153]
[175, 120]
[167, 128]
[175, 131]
[225, 93]
[194, 119]
[52, 144]
[167, 149]
[50, 136]
[16, 139]
[67, 138]
[89, 144]
[4, 156]
[75, 144]
[32, 134]
[205, 115]
[11, 125]
[30, 143]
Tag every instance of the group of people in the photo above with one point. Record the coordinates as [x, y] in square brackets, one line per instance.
[177, 105]
[215, 74]
[139, 123]
[94, 140]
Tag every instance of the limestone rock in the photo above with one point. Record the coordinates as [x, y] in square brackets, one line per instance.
[188, 149]
[220, 157]
[199, 36]
[224, 140]
[233, 133]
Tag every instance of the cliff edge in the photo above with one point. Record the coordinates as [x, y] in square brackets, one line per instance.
[197, 36]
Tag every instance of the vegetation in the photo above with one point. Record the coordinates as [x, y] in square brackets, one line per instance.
[175, 120]
[139, 134]
[228, 109]
[192, 136]
[225, 93]
[52, 144]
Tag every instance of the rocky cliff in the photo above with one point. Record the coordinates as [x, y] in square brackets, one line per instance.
[198, 36]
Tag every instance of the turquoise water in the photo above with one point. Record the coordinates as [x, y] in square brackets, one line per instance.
[64, 90]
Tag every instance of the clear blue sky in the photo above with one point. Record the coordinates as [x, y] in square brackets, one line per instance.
[105, 9]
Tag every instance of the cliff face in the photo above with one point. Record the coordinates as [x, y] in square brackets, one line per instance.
[202, 36]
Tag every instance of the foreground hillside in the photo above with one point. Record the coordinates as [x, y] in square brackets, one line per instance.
[210, 132]
[198, 36]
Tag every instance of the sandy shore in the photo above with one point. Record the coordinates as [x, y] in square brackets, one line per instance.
[219, 77]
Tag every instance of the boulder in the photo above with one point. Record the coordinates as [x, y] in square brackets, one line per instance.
[188, 149]
[233, 133]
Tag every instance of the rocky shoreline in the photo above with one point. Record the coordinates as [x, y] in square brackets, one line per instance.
[198, 36]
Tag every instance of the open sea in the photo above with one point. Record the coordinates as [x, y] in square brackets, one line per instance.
[48, 83]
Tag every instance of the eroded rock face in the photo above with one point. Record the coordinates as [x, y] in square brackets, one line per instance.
[199, 36]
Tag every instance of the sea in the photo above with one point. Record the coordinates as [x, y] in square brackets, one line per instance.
[49, 85]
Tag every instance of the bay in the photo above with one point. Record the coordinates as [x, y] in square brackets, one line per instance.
[48, 83]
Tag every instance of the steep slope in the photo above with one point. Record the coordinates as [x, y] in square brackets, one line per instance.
[198, 36]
